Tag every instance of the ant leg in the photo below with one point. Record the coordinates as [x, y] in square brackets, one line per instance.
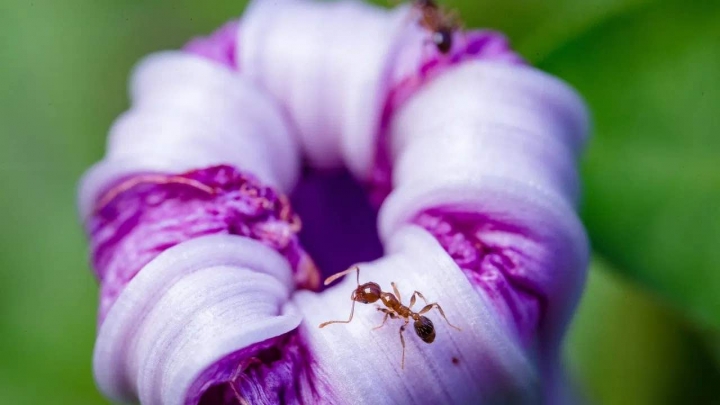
[352, 311]
[387, 314]
[402, 341]
[452, 18]
[396, 291]
[412, 299]
[435, 305]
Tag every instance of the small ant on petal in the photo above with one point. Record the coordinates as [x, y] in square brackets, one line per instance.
[441, 24]
[371, 292]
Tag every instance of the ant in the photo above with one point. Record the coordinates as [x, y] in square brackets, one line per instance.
[370, 292]
[441, 24]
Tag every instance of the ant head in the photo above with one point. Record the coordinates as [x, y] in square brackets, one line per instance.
[367, 293]
[443, 39]
[425, 329]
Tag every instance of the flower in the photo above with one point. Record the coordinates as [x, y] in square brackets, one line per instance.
[471, 157]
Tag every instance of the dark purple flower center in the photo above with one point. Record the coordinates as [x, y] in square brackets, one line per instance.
[277, 371]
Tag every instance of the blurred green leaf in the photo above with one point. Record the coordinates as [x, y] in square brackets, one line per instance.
[629, 348]
[652, 175]
[538, 27]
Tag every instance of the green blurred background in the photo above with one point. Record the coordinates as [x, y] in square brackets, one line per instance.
[647, 328]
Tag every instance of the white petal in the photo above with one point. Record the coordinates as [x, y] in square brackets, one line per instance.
[496, 93]
[488, 119]
[469, 146]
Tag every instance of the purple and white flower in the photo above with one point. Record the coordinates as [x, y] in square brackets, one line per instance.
[471, 157]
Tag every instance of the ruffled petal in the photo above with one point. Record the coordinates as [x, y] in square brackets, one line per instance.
[328, 64]
[493, 119]
[189, 113]
[194, 304]
[145, 215]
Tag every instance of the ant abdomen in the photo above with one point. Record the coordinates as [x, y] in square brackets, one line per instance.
[425, 329]
[443, 39]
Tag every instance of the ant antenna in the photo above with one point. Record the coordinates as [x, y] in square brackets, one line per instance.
[342, 273]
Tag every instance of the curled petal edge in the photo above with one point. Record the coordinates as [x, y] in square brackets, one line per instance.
[232, 292]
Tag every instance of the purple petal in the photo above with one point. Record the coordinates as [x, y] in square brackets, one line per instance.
[135, 224]
[277, 370]
[220, 47]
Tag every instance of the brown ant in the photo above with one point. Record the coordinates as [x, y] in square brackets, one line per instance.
[441, 24]
[370, 292]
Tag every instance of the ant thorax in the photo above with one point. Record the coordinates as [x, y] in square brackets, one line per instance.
[390, 301]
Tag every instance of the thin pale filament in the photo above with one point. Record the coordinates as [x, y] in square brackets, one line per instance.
[342, 273]
[149, 179]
